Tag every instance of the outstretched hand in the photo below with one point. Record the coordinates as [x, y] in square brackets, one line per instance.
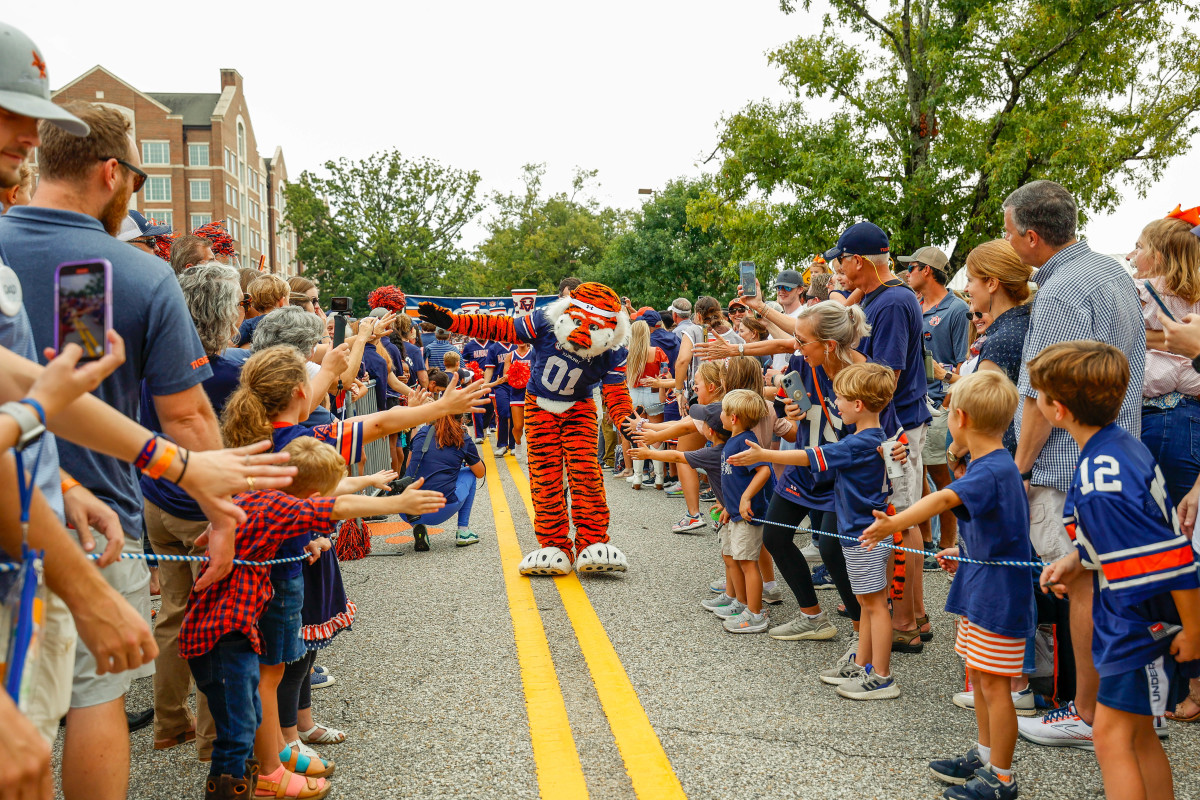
[751, 455]
[468, 401]
[880, 529]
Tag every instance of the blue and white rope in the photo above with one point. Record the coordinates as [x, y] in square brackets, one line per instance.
[10, 566]
[888, 544]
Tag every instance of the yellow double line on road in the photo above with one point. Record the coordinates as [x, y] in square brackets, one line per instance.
[646, 762]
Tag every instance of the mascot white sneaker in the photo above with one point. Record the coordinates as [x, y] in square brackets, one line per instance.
[577, 344]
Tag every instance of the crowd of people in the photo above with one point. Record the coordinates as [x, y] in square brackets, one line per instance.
[1031, 436]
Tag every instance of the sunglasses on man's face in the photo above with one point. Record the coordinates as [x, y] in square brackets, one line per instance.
[139, 177]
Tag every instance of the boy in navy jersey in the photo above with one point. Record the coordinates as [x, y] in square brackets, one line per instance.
[746, 485]
[860, 486]
[1146, 602]
[995, 603]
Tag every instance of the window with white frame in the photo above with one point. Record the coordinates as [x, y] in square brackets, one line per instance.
[231, 195]
[230, 161]
[234, 228]
[158, 189]
[156, 153]
[200, 190]
[198, 154]
[163, 216]
[198, 220]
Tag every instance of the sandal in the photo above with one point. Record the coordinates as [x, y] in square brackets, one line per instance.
[926, 636]
[1171, 715]
[174, 741]
[328, 735]
[295, 761]
[313, 788]
[907, 641]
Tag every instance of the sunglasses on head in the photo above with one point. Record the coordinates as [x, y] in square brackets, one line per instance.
[139, 177]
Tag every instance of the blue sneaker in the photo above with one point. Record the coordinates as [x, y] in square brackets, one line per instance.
[983, 785]
[821, 579]
[318, 680]
[957, 770]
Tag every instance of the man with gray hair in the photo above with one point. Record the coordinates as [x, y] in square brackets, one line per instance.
[1081, 295]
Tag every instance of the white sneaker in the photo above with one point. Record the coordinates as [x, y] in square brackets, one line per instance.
[772, 596]
[810, 553]
[844, 671]
[689, 523]
[804, 627]
[478, 440]
[1061, 727]
[501, 451]
[717, 586]
[748, 622]
[720, 601]
[731, 610]
[1023, 702]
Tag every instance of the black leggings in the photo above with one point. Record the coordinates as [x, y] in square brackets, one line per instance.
[295, 691]
[783, 516]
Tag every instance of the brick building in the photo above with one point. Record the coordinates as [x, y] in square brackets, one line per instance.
[203, 161]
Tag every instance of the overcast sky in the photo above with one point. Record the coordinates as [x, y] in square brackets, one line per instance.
[633, 89]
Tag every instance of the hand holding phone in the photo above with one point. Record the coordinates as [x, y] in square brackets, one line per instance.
[794, 387]
[1158, 299]
[749, 278]
[83, 305]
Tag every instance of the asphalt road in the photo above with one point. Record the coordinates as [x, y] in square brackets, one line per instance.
[436, 692]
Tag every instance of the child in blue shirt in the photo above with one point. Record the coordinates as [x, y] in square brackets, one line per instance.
[746, 485]
[1146, 595]
[860, 487]
[995, 603]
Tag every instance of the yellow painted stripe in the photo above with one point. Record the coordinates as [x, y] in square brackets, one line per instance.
[559, 773]
[649, 769]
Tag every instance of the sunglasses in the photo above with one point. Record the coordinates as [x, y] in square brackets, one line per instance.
[245, 300]
[148, 241]
[139, 177]
[737, 310]
[975, 314]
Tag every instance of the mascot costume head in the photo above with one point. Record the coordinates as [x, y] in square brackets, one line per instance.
[590, 321]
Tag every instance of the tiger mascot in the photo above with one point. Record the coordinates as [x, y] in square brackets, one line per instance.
[577, 343]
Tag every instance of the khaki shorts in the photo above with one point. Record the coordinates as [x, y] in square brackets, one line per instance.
[741, 541]
[934, 451]
[130, 577]
[1046, 531]
[906, 490]
[50, 688]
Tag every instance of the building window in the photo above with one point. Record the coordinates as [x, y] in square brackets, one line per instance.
[162, 216]
[198, 154]
[244, 204]
[158, 189]
[230, 161]
[241, 140]
[234, 229]
[231, 195]
[198, 220]
[201, 190]
[156, 152]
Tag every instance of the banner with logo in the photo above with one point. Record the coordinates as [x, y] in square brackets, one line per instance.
[522, 301]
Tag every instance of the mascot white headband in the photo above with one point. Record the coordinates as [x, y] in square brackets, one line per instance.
[591, 309]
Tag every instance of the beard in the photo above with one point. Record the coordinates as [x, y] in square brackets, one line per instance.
[115, 211]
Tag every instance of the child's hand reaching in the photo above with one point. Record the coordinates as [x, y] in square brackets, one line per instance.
[882, 528]
[383, 479]
[640, 453]
[751, 455]
[947, 564]
[316, 547]
[1055, 577]
[415, 500]
[745, 510]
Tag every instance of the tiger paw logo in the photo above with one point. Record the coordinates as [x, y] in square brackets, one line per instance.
[41, 65]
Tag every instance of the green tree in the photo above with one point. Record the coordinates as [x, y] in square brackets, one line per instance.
[941, 108]
[534, 242]
[384, 220]
[662, 256]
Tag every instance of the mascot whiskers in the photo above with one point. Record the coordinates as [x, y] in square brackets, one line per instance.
[578, 342]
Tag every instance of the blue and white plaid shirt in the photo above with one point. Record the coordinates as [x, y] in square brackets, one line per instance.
[1083, 295]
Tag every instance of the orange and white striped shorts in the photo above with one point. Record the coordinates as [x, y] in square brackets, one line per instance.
[989, 652]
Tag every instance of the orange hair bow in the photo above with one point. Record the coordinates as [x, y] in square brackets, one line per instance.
[1191, 216]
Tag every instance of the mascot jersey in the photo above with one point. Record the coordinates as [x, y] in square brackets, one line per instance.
[559, 374]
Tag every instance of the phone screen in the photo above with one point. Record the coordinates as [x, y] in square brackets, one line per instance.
[748, 278]
[84, 307]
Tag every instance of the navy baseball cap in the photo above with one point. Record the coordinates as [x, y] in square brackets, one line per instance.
[710, 415]
[860, 239]
[136, 226]
[651, 318]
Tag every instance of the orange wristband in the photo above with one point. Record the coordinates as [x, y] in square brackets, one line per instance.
[163, 462]
[68, 484]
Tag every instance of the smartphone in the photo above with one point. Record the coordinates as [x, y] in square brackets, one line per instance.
[339, 329]
[794, 386]
[1158, 299]
[748, 277]
[339, 305]
[83, 300]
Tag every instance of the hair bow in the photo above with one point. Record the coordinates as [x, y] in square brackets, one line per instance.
[1190, 216]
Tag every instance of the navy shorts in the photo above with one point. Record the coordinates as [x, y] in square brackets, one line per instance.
[279, 626]
[1145, 691]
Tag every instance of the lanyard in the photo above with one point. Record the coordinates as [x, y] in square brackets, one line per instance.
[25, 489]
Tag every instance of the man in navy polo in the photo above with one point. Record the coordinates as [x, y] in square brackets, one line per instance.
[892, 309]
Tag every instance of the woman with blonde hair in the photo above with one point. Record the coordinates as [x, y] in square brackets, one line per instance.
[644, 361]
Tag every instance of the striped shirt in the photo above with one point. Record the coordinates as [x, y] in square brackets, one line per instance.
[1083, 295]
[436, 350]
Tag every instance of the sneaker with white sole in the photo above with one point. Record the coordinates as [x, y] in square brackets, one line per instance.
[772, 596]
[720, 601]
[805, 627]
[1062, 727]
[464, 538]
[731, 610]
[821, 578]
[478, 440]
[501, 450]
[1023, 702]
[689, 523]
[673, 489]
[810, 553]
[1160, 727]
[842, 672]
[748, 622]
[957, 770]
[984, 785]
[717, 586]
[870, 686]
[708, 496]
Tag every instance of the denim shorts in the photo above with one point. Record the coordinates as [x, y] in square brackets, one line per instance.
[279, 626]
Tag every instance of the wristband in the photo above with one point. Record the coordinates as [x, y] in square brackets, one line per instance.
[68, 484]
[146, 454]
[36, 406]
[185, 455]
[1027, 476]
[160, 465]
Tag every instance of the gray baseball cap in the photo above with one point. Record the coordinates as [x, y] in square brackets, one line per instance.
[24, 85]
